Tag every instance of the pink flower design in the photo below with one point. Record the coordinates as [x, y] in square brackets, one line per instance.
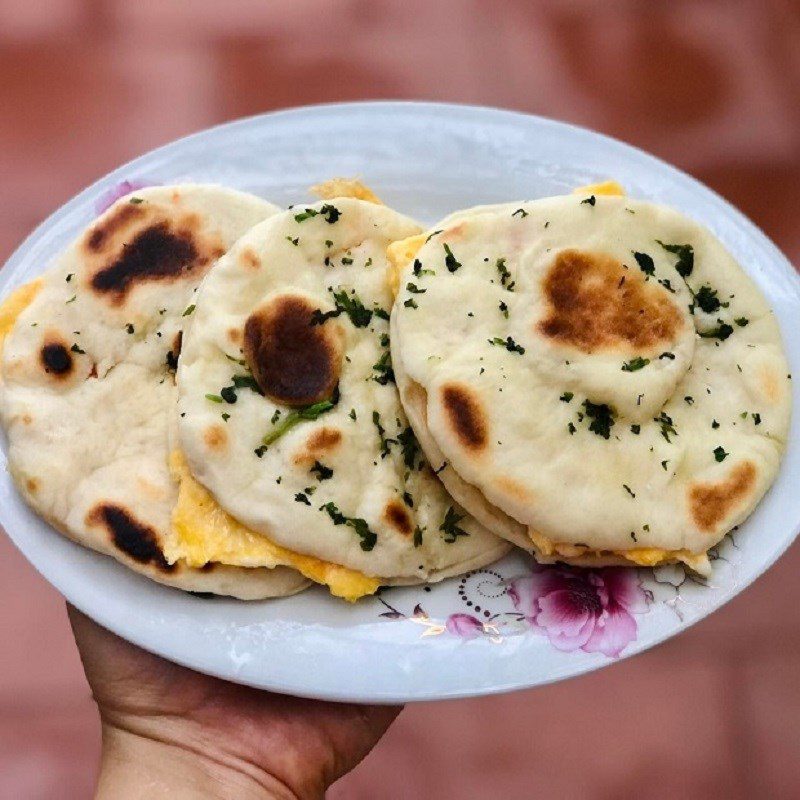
[464, 625]
[587, 609]
[107, 199]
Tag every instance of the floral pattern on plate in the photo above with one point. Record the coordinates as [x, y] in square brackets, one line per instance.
[592, 610]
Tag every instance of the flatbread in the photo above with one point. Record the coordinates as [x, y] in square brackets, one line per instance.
[294, 316]
[88, 382]
[590, 388]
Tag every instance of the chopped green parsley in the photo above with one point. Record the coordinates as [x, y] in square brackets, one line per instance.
[450, 260]
[246, 382]
[667, 284]
[359, 315]
[508, 343]
[384, 369]
[645, 262]
[295, 417]
[667, 425]
[419, 271]
[721, 332]
[368, 538]
[322, 472]
[685, 253]
[228, 394]
[635, 364]
[707, 300]
[329, 212]
[450, 526]
[409, 447]
[601, 416]
[505, 275]
[385, 442]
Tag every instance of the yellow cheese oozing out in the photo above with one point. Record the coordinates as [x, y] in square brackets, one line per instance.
[345, 187]
[206, 533]
[399, 254]
[642, 556]
[605, 188]
[15, 304]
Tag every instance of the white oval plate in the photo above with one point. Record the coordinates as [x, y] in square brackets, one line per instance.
[492, 631]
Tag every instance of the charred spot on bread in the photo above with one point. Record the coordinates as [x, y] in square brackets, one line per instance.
[102, 233]
[397, 516]
[465, 416]
[56, 359]
[173, 354]
[711, 503]
[136, 246]
[294, 362]
[249, 258]
[215, 437]
[594, 302]
[132, 537]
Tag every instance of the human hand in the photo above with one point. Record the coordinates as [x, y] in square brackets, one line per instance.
[168, 731]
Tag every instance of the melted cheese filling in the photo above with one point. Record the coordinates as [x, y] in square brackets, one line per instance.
[206, 532]
[399, 255]
[605, 187]
[14, 305]
[345, 187]
[641, 556]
